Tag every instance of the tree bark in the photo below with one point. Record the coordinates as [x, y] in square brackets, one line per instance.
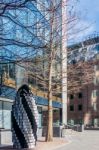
[49, 136]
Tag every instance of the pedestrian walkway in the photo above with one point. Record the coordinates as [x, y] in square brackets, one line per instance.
[42, 145]
[57, 143]
[87, 140]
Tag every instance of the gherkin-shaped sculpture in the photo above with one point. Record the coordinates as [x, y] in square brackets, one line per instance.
[24, 119]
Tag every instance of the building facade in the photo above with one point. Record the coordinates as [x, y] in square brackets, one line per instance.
[83, 104]
[23, 57]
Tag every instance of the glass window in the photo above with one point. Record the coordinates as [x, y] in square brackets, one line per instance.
[73, 61]
[40, 120]
[12, 71]
[80, 107]
[94, 106]
[96, 80]
[7, 107]
[71, 96]
[40, 116]
[71, 107]
[96, 122]
[20, 76]
[80, 95]
[5, 70]
[94, 93]
[1, 125]
[97, 47]
[32, 81]
[56, 117]
[96, 68]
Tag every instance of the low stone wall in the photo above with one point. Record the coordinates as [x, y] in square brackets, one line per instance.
[91, 128]
[57, 131]
[5, 137]
[78, 128]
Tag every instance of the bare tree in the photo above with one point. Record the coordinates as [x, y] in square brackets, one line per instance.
[35, 42]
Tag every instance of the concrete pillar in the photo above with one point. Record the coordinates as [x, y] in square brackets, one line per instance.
[64, 63]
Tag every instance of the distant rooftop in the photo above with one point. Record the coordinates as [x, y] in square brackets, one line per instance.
[89, 41]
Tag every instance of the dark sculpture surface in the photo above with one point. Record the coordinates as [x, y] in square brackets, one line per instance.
[24, 119]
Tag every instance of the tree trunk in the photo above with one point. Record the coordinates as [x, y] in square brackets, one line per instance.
[49, 136]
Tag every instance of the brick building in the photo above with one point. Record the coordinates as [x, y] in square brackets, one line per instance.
[83, 100]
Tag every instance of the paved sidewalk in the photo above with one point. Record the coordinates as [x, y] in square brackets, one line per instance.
[57, 143]
[42, 145]
[87, 140]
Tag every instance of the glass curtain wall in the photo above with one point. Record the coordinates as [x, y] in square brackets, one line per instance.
[5, 114]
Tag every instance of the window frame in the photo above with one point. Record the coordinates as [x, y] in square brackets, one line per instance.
[73, 108]
[80, 107]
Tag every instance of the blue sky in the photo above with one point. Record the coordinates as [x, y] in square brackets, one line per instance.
[91, 17]
[88, 11]
[91, 7]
